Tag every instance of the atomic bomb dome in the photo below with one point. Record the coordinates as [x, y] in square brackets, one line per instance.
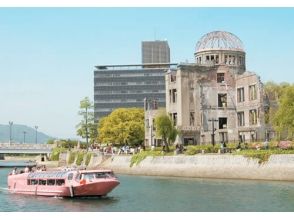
[220, 47]
[219, 40]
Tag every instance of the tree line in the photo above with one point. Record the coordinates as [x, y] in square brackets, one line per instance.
[127, 126]
[124, 126]
[281, 112]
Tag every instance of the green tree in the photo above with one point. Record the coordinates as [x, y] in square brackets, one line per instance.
[165, 129]
[67, 143]
[87, 127]
[122, 126]
[283, 119]
[50, 141]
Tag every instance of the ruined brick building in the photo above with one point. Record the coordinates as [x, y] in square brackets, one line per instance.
[215, 98]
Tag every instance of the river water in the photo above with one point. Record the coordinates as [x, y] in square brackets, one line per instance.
[155, 194]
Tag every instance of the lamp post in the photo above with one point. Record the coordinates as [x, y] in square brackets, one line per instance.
[36, 127]
[24, 137]
[213, 130]
[10, 131]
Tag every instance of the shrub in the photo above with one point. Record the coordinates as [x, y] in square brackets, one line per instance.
[262, 155]
[72, 157]
[88, 158]
[80, 158]
[137, 158]
[56, 152]
[192, 150]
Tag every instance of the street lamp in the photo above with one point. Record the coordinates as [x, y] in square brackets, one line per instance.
[10, 129]
[213, 130]
[36, 127]
[24, 137]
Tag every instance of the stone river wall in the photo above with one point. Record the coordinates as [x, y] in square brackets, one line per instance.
[278, 167]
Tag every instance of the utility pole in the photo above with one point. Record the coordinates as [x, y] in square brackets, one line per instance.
[36, 127]
[10, 131]
[213, 130]
[24, 137]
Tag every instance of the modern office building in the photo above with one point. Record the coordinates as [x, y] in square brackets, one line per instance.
[155, 52]
[126, 86]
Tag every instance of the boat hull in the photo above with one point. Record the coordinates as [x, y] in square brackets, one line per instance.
[19, 184]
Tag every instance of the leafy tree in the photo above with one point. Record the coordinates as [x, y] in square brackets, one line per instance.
[283, 119]
[67, 143]
[50, 141]
[274, 91]
[165, 129]
[87, 127]
[122, 126]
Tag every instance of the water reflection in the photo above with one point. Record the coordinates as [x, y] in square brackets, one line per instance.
[40, 203]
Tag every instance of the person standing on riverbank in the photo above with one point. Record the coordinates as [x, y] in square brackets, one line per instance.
[14, 171]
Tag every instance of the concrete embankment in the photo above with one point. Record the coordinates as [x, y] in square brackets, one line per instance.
[278, 167]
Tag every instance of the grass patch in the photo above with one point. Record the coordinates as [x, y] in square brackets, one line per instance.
[88, 158]
[262, 155]
[72, 157]
[80, 158]
[192, 150]
[56, 152]
[137, 158]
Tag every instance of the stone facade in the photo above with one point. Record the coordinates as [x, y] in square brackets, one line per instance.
[215, 99]
[151, 109]
[198, 103]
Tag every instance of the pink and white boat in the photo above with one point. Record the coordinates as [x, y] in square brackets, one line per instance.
[73, 183]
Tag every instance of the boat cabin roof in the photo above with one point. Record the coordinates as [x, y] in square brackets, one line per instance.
[51, 174]
[60, 174]
[95, 171]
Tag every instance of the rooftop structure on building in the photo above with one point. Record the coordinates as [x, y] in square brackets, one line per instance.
[155, 52]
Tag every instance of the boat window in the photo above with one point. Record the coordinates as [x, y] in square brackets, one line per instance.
[50, 182]
[29, 182]
[70, 176]
[60, 182]
[100, 175]
[78, 176]
[42, 182]
[110, 174]
[34, 182]
[88, 176]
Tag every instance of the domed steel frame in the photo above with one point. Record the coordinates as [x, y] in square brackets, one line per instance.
[219, 40]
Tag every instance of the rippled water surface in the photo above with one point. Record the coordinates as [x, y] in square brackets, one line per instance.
[138, 193]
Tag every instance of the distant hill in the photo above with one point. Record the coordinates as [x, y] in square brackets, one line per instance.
[18, 134]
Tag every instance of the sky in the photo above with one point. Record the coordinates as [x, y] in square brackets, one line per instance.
[48, 55]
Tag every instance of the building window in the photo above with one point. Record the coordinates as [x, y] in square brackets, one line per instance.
[175, 118]
[222, 100]
[226, 59]
[220, 77]
[216, 59]
[223, 136]
[240, 95]
[241, 119]
[222, 123]
[241, 137]
[253, 117]
[174, 95]
[192, 118]
[173, 77]
[252, 92]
